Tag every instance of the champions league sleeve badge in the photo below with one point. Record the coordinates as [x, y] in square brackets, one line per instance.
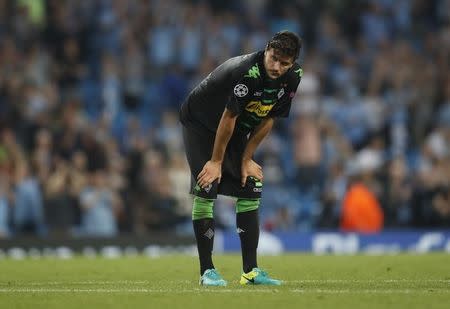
[240, 90]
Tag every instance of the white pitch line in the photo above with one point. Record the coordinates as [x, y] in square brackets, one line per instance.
[177, 291]
[219, 290]
[367, 281]
[143, 282]
[92, 282]
[370, 291]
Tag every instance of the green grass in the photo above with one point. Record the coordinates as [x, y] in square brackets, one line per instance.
[400, 281]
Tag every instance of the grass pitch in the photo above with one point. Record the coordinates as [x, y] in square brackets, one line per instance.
[400, 281]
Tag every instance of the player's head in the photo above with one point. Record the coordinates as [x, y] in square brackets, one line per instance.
[281, 52]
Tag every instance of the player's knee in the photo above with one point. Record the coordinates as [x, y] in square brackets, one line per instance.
[203, 208]
[244, 205]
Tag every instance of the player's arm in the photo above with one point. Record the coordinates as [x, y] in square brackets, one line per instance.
[213, 168]
[250, 167]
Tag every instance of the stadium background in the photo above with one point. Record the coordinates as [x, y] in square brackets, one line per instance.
[90, 143]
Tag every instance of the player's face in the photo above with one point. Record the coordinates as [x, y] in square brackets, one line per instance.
[276, 64]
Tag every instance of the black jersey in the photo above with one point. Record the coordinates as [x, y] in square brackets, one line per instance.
[241, 85]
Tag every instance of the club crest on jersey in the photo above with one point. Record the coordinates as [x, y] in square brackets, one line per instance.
[280, 93]
[240, 90]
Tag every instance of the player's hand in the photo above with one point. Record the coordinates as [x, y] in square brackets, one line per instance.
[210, 172]
[250, 168]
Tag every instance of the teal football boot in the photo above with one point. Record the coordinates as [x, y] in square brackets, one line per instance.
[258, 277]
[212, 278]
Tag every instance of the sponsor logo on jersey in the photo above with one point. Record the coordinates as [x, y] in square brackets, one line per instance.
[240, 90]
[253, 72]
[258, 93]
[258, 108]
[280, 93]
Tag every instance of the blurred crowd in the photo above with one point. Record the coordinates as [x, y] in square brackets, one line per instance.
[90, 143]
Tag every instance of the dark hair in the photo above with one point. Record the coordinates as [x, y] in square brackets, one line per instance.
[287, 43]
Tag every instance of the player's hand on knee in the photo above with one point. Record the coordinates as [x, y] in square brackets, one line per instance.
[251, 168]
[210, 172]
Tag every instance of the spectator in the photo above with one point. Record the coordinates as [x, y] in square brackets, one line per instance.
[440, 216]
[307, 153]
[158, 206]
[60, 216]
[361, 209]
[332, 197]
[4, 205]
[28, 209]
[397, 195]
[99, 208]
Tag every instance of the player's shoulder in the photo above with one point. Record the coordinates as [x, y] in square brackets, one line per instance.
[244, 64]
[294, 75]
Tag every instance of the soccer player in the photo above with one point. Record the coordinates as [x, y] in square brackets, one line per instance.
[224, 120]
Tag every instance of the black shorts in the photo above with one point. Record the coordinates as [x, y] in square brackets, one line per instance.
[199, 146]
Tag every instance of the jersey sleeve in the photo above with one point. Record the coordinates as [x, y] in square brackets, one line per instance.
[283, 107]
[241, 92]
